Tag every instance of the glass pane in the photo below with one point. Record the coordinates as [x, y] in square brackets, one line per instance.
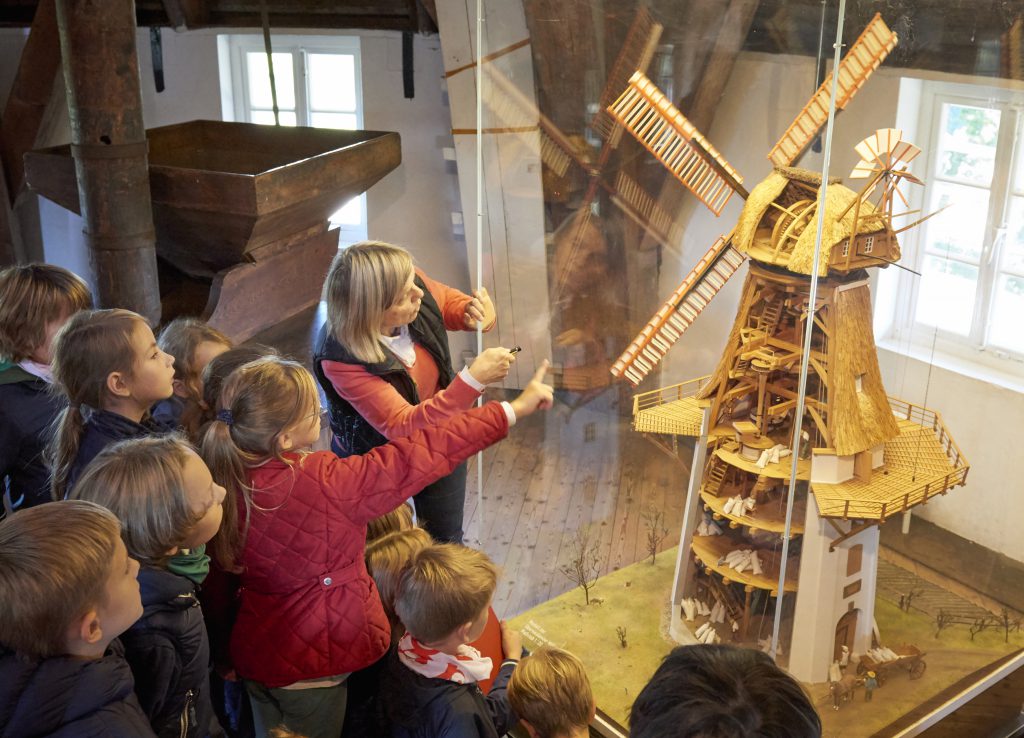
[960, 229]
[967, 143]
[266, 117]
[259, 79]
[347, 121]
[1007, 310]
[946, 297]
[1013, 247]
[349, 214]
[332, 82]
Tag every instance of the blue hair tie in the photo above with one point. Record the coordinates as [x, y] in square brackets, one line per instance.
[226, 417]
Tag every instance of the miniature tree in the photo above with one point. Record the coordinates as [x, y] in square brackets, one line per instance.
[979, 625]
[654, 519]
[585, 563]
[943, 620]
[620, 631]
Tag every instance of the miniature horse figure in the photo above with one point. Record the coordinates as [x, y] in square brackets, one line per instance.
[843, 690]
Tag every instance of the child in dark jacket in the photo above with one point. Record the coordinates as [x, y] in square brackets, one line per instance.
[35, 301]
[166, 500]
[67, 590]
[107, 364]
[193, 344]
[429, 687]
[309, 614]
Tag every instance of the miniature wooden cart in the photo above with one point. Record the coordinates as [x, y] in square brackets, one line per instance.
[911, 659]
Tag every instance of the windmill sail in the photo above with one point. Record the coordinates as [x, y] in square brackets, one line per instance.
[867, 52]
[656, 123]
[679, 311]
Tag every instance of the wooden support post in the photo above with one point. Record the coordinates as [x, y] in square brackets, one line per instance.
[745, 625]
[108, 142]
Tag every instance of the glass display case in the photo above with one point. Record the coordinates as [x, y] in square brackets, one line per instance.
[775, 253]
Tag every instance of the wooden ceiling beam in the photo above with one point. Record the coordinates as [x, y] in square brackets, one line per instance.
[30, 94]
[185, 14]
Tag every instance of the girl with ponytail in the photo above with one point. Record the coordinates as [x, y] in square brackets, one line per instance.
[295, 530]
[107, 364]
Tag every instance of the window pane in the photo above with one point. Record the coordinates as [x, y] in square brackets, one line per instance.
[946, 297]
[1013, 249]
[259, 79]
[967, 143]
[1007, 310]
[960, 230]
[350, 214]
[266, 117]
[332, 82]
[333, 120]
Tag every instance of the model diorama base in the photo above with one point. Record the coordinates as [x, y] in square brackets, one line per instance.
[635, 598]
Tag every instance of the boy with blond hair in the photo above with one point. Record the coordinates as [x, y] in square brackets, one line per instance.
[551, 694]
[429, 689]
[35, 301]
[67, 590]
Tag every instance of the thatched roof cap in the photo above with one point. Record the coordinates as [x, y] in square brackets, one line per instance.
[805, 175]
[837, 198]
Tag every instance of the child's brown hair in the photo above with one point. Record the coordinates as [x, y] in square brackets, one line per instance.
[386, 558]
[181, 338]
[398, 519]
[31, 296]
[550, 690]
[142, 482]
[259, 401]
[220, 368]
[55, 560]
[90, 346]
[443, 587]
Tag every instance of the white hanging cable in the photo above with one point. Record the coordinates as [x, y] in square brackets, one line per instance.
[479, 237]
[808, 332]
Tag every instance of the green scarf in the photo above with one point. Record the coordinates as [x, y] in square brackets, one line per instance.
[191, 563]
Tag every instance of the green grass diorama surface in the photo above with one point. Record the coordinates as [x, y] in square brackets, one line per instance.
[636, 598]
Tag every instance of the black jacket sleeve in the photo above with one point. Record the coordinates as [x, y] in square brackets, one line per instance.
[156, 667]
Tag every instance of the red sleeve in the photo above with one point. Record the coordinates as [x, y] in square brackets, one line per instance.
[368, 486]
[452, 303]
[385, 409]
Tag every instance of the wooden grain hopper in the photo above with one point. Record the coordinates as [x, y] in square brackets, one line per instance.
[241, 212]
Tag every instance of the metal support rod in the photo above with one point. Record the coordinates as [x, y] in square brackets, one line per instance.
[479, 231]
[108, 143]
[812, 300]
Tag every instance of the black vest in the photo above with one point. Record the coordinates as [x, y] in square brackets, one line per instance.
[352, 434]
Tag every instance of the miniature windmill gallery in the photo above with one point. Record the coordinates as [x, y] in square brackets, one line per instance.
[862, 456]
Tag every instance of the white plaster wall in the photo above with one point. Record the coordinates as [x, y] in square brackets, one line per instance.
[763, 95]
[411, 206]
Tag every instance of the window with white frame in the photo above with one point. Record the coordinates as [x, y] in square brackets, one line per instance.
[969, 297]
[318, 83]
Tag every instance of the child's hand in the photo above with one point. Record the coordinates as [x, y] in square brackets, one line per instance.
[480, 309]
[536, 396]
[492, 365]
[511, 642]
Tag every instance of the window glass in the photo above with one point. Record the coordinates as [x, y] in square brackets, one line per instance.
[332, 82]
[259, 80]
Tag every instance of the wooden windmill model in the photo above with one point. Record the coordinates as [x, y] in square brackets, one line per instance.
[864, 456]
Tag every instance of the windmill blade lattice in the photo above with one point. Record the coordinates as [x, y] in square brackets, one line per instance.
[863, 57]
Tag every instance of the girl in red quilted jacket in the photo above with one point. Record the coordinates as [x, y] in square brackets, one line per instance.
[309, 613]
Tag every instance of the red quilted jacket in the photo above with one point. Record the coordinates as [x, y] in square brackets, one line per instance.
[308, 609]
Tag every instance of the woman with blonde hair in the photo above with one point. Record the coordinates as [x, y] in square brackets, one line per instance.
[383, 362]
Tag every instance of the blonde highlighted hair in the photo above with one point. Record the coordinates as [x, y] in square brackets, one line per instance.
[31, 296]
[386, 558]
[443, 587]
[365, 280]
[550, 690]
[397, 520]
[257, 403]
[181, 338]
[142, 482]
[90, 346]
[55, 560]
